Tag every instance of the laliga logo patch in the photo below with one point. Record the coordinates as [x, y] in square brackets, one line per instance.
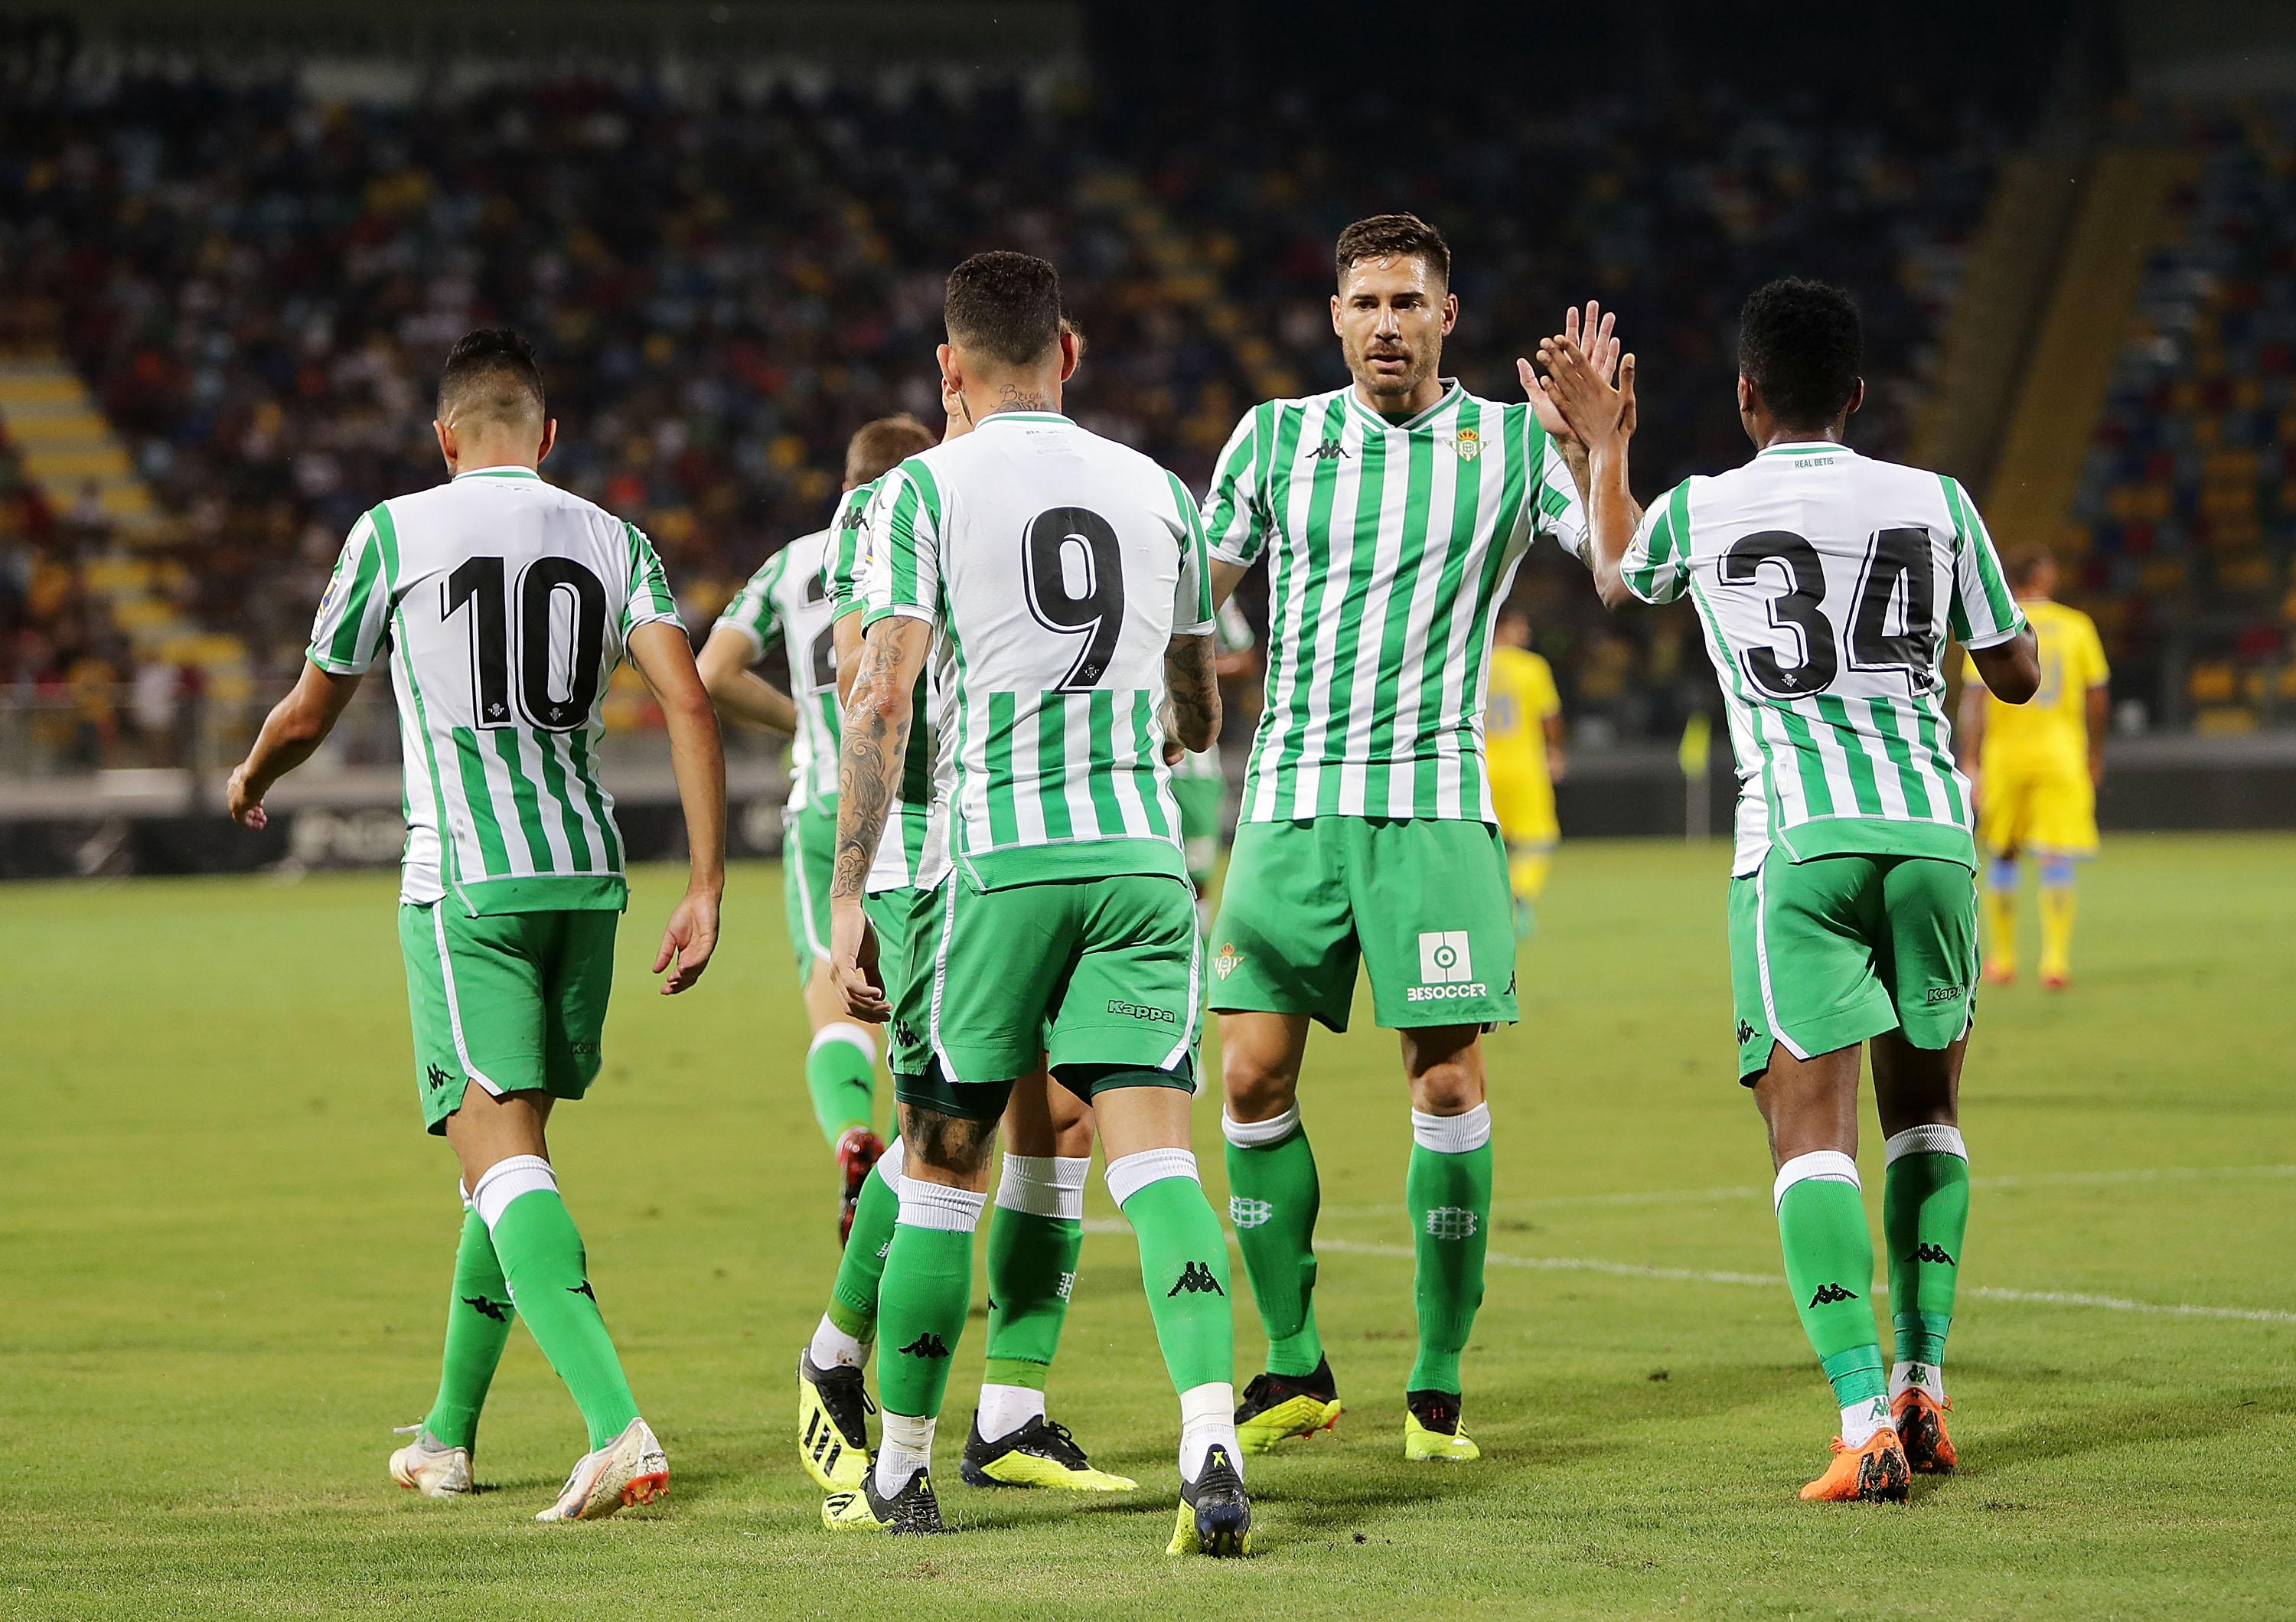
[1226, 963]
[1469, 445]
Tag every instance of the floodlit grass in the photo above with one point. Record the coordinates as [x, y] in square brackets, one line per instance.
[224, 1242]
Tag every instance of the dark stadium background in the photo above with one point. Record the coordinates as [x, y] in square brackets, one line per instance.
[245, 233]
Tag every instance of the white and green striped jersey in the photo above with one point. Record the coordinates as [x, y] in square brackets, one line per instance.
[787, 601]
[1232, 635]
[1389, 547]
[506, 603]
[1827, 584]
[1056, 567]
[900, 860]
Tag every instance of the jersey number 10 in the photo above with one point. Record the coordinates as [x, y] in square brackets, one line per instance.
[542, 587]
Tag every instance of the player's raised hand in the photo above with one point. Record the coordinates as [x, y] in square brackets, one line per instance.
[853, 961]
[1594, 408]
[687, 944]
[1596, 336]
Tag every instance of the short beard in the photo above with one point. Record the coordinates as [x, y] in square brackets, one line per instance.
[1381, 388]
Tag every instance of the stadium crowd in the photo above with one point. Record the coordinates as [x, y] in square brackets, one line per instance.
[260, 286]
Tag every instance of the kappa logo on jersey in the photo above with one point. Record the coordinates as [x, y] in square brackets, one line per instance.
[1828, 1294]
[1228, 960]
[1330, 450]
[1469, 445]
[1141, 1011]
[1928, 1252]
[1450, 1221]
[1250, 1213]
[1447, 968]
[1195, 1278]
[499, 1311]
[927, 1344]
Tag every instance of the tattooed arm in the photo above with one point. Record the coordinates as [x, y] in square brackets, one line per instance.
[1192, 681]
[877, 716]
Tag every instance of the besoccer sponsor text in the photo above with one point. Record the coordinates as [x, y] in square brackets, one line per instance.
[1446, 969]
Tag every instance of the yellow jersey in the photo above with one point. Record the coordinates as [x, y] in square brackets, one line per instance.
[2053, 729]
[1523, 696]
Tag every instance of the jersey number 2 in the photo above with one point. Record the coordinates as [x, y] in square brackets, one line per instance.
[542, 587]
[1057, 538]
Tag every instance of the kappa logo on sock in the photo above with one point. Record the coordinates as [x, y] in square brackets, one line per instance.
[438, 1078]
[1195, 1278]
[1917, 1374]
[1250, 1213]
[1450, 1221]
[927, 1344]
[583, 1289]
[1828, 1294]
[1928, 1252]
[499, 1311]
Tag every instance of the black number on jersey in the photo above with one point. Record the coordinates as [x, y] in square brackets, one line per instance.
[1800, 609]
[821, 658]
[545, 585]
[1898, 555]
[1097, 612]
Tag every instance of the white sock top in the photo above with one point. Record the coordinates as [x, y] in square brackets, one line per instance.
[1127, 1177]
[844, 1031]
[1451, 1133]
[936, 1205]
[1004, 1409]
[1823, 1165]
[1924, 1140]
[888, 1165]
[1043, 1185]
[506, 1180]
[1259, 1134]
[1208, 1417]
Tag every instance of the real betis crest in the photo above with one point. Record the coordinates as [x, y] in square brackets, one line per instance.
[1226, 963]
[1470, 445]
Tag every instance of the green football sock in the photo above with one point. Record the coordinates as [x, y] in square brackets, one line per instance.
[1924, 1212]
[926, 1292]
[841, 1072]
[1829, 1256]
[1034, 1235]
[1273, 1198]
[1183, 1263]
[1448, 1193]
[477, 1325]
[853, 1298]
[548, 1274]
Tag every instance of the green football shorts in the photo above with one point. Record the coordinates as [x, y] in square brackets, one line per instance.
[1834, 950]
[1096, 978]
[889, 915]
[1200, 800]
[809, 853]
[1423, 902]
[516, 1002]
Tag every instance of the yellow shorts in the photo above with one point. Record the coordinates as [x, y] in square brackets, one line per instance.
[1525, 802]
[2045, 809]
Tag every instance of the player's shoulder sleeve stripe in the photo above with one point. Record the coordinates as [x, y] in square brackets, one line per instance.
[1234, 517]
[1192, 604]
[651, 599]
[904, 576]
[347, 632]
[1984, 609]
[1656, 565]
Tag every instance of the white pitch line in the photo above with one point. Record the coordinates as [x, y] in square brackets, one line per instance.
[1771, 1280]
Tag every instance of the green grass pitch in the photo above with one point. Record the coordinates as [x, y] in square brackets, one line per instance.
[225, 1243]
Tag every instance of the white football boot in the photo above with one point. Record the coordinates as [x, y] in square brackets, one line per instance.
[429, 1469]
[631, 1468]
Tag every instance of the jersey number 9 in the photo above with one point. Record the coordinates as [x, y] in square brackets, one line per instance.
[1060, 540]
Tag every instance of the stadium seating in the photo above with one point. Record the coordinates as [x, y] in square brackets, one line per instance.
[257, 286]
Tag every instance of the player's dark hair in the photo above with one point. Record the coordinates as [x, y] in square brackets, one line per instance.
[2023, 563]
[491, 373]
[1800, 344]
[1393, 236]
[884, 444]
[1005, 305]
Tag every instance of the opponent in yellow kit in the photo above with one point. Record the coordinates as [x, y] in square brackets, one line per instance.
[2037, 767]
[1522, 743]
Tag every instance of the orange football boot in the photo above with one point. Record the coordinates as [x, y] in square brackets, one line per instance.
[1920, 1418]
[1875, 1473]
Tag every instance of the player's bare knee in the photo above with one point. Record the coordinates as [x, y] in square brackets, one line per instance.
[1255, 1090]
[954, 1146]
[1444, 1065]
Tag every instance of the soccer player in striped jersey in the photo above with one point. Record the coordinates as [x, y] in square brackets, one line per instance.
[1037, 1233]
[787, 601]
[1393, 515]
[1057, 581]
[506, 604]
[1827, 584]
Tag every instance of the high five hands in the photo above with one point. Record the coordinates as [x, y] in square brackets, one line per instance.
[1576, 396]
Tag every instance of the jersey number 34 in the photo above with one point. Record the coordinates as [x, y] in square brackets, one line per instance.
[1896, 575]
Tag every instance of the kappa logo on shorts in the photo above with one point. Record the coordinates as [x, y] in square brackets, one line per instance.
[1141, 1011]
[1745, 1033]
[1195, 1278]
[905, 1032]
[438, 1078]
[1943, 994]
[1250, 1213]
[1447, 968]
[1450, 1221]
[1228, 960]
